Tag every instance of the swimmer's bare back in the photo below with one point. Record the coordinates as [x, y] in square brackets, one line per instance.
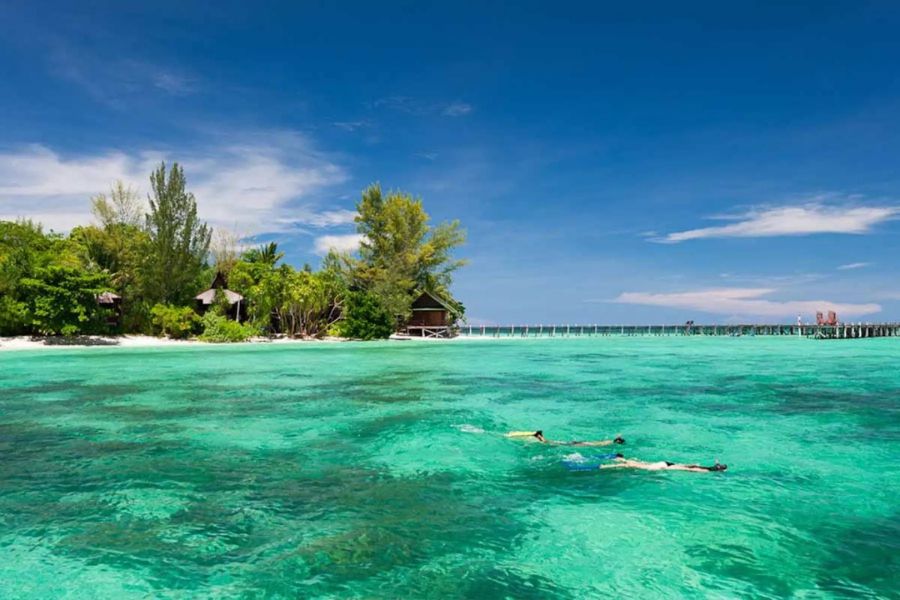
[662, 465]
[539, 436]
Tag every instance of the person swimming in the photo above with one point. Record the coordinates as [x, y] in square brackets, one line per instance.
[662, 465]
[539, 436]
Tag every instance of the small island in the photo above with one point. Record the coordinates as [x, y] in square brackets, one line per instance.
[160, 270]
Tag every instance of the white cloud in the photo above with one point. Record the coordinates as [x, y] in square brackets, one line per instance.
[856, 265]
[457, 109]
[341, 243]
[351, 125]
[114, 79]
[267, 185]
[331, 218]
[744, 302]
[804, 219]
[416, 107]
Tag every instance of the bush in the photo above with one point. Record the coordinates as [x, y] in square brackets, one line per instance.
[218, 329]
[177, 322]
[365, 318]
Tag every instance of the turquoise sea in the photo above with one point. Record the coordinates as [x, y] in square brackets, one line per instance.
[378, 470]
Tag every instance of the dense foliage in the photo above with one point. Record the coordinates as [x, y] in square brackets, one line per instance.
[219, 329]
[365, 318]
[178, 322]
[157, 256]
[401, 254]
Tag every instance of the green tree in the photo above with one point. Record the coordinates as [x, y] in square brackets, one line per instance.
[20, 244]
[176, 322]
[401, 253]
[122, 206]
[310, 303]
[365, 318]
[262, 283]
[179, 241]
[26, 253]
[119, 245]
[266, 254]
[63, 300]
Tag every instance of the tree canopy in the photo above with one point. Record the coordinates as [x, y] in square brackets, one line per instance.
[156, 256]
[179, 241]
[401, 254]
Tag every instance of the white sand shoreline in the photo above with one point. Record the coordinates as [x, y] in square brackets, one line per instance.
[129, 341]
[11, 344]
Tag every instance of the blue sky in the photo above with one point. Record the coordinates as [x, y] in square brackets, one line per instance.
[631, 164]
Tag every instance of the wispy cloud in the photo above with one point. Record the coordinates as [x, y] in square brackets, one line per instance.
[117, 81]
[803, 219]
[351, 125]
[856, 265]
[340, 243]
[414, 106]
[269, 184]
[330, 218]
[743, 302]
[456, 109]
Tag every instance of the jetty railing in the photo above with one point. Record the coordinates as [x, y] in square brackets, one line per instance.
[839, 331]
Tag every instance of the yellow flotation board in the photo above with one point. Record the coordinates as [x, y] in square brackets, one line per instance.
[521, 433]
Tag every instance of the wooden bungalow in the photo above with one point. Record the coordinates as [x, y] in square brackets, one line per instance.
[431, 317]
[113, 303]
[237, 309]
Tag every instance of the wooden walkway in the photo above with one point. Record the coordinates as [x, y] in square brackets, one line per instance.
[840, 331]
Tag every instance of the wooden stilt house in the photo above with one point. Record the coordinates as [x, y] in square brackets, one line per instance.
[432, 316]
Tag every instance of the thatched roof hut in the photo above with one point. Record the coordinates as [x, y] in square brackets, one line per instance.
[109, 299]
[206, 298]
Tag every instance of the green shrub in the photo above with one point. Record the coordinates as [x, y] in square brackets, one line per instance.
[178, 322]
[365, 318]
[218, 329]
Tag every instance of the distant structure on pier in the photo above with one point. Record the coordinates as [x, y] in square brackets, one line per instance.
[831, 319]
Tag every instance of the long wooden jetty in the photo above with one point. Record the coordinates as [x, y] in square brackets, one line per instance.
[831, 332]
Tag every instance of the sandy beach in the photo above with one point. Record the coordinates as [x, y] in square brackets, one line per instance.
[129, 341]
[8, 344]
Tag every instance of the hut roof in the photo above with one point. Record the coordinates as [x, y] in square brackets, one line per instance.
[108, 298]
[219, 281]
[209, 296]
[428, 301]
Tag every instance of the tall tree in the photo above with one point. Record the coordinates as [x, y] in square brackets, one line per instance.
[122, 206]
[179, 241]
[401, 253]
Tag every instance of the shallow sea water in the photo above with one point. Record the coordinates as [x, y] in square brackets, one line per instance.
[379, 470]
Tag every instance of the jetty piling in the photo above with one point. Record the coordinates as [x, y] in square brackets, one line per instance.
[842, 331]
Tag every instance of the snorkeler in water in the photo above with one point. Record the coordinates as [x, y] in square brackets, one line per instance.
[662, 465]
[539, 436]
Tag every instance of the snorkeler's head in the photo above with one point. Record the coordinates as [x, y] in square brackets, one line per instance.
[619, 455]
[718, 467]
[619, 439]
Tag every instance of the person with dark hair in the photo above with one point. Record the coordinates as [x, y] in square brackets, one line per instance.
[663, 465]
[539, 436]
